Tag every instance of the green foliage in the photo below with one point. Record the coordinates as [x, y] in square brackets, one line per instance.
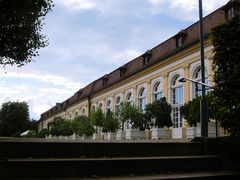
[43, 133]
[14, 118]
[59, 126]
[161, 111]
[226, 41]
[191, 110]
[82, 125]
[110, 123]
[98, 117]
[136, 117]
[20, 30]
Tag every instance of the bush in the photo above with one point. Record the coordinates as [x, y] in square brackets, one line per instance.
[43, 133]
[160, 110]
[59, 126]
[82, 125]
[110, 123]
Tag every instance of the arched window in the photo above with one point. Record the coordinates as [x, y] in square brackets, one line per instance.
[129, 98]
[109, 105]
[176, 101]
[157, 91]
[197, 87]
[70, 116]
[117, 105]
[100, 106]
[142, 99]
[83, 111]
[76, 114]
[93, 109]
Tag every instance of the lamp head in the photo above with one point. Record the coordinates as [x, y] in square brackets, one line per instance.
[182, 80]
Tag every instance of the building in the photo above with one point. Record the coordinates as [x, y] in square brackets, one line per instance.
[152, 75]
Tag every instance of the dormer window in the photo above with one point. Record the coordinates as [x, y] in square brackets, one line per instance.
[122, 71]
[180, 38]
[105, 79]
[146, 57]
[230, 13]
[179, 41]
[231, 8]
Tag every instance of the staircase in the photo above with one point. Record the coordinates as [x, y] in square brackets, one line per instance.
[109, 160]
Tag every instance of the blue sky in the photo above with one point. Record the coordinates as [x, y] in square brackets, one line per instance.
[90, 38]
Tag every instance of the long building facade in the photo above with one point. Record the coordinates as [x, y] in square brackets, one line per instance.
[152, 75]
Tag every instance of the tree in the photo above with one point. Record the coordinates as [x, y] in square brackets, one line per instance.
[97, 117]
[82, 125]
[14, 117]
[226, 66]
[110, 123]
[136, 117]
[191, 110]
[60, 126]
[20, 30]
[160, 110]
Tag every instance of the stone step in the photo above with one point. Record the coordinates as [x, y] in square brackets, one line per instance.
[58, 149]
[89, 167]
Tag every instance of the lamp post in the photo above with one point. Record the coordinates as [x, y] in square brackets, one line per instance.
[203, 108]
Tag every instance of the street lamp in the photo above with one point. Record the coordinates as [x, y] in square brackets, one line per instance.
[194, 81]
[203, 109]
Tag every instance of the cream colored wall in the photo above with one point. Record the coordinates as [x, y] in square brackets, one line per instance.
[183, 64]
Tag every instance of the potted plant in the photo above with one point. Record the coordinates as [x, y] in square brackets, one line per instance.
[160, 113]
[137, 122]
[97, 118]
[110, 125]
[82, 126]
[191, 112]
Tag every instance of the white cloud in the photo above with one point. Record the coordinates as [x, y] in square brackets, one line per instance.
[184, 10]
[78, 4]
[47, 78]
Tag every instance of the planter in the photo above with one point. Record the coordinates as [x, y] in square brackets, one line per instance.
[111, 136]
[97, 136]
[121, 135]
[191, 132]
[211, 129]
[133, 134]
[104, 135]
[148, 134]
[161, 133]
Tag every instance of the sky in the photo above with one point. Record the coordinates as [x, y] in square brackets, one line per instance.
[90, 38]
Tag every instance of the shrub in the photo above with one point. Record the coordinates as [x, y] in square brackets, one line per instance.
[160, 110]
[82, 125]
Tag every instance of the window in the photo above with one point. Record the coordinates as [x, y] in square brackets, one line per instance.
[157, 91]
[118, 105]
[83, 111]
[130, 98]
[230, 13]
[93, 109]
[142, 99]
[179, 41]
[197, 87]
[100, 106]
[176, 101]
[122, 71]
[105, 80]
[76, 114]
[180, 38]
[146, 57]
[109, 105]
